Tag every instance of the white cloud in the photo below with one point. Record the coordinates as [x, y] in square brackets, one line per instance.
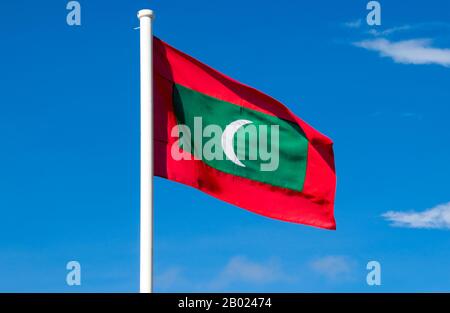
[353, 24]
[242, 270]
[415, 51]
[437, 218]
[333, 267]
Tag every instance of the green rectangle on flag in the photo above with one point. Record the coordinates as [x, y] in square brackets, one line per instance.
[288, 139]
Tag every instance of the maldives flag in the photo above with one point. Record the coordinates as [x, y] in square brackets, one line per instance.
[237, 144]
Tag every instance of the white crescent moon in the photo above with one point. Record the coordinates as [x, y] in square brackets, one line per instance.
[227, 140]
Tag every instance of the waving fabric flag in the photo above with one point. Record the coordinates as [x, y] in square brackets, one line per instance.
[237, 144]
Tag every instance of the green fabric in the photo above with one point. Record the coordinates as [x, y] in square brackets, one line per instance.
[293, 145]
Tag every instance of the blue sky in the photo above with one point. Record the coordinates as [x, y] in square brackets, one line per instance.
[69, 130]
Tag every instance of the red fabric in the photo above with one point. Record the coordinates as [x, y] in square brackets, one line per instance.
[313, 206]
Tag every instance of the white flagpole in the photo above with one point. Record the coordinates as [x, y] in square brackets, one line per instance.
[146, 250]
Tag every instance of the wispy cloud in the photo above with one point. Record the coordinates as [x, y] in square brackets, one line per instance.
[435, 27]
[415, 51]
[411, 115]
[240, 269]
[239, 272]
[333, 267]
[389, 31]
[169, 279]
[353, 24]
[437, 217]
[419, 27]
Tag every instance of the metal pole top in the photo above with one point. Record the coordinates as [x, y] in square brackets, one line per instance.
[145, 13]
